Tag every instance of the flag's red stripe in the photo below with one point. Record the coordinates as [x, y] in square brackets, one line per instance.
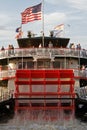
[31, 14]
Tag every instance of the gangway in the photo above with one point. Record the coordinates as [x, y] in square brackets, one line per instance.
[44, 89]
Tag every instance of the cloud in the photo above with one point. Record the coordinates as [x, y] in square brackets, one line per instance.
[5, 18]
[78, 4]
[75, 17]
[54, 18]
[7, 21]
[53, 1]
[6, 24]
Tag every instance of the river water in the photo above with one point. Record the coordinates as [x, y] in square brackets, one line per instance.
[40, 121]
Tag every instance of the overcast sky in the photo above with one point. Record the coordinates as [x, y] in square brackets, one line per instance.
[67, 12]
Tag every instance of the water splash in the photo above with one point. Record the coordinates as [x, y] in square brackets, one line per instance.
[35, 120]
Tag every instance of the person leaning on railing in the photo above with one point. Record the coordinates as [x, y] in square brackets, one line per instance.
[2, 51]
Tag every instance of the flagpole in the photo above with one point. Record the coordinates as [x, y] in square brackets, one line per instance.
[21, 30]
[43, 23]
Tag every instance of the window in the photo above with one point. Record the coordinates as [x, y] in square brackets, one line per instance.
[58, 64]
[30, 64]
[26, 65]
[43, 64]
[21, 65]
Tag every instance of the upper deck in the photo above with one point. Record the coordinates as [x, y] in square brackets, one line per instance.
[36, 41]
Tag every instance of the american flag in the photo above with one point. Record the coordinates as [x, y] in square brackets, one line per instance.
[32, 13]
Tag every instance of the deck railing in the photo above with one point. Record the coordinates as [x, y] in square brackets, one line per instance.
[5, 95]
[82, 92]
[44, 52]
[11, 73]
[4, 74]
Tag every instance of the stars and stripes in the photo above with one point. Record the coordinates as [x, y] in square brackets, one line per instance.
[32, 13]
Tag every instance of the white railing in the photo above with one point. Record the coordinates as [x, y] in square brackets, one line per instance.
[11, 73]
[7, 74]
[82, 92]
[26, 52]
[5, 95]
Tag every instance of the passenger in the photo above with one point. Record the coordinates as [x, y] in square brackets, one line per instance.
[50, 44]
[78, 46]
[9, 50]
[70, 45]
[83, 67]
[83, 71]
[12, 49]
[83, 53]
[73, 46]
[2, 51]
[40, 45]
[2, 48]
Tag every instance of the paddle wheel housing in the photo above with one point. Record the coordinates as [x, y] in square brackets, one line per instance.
[44, 89]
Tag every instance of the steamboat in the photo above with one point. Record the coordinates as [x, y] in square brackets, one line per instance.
[43, 76]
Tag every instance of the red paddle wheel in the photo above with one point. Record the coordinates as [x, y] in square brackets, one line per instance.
[44, 89]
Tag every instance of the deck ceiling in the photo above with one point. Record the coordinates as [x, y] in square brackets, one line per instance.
[35, 41]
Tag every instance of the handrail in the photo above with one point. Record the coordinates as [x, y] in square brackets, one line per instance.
[5, 95]
[24, 52]
[11, 73]
[82, 92]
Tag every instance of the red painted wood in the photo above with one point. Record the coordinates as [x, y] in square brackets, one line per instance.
[54, 80]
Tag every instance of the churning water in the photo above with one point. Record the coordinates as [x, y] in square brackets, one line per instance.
[40, 121]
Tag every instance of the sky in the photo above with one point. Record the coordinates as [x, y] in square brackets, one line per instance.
[71, 13]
